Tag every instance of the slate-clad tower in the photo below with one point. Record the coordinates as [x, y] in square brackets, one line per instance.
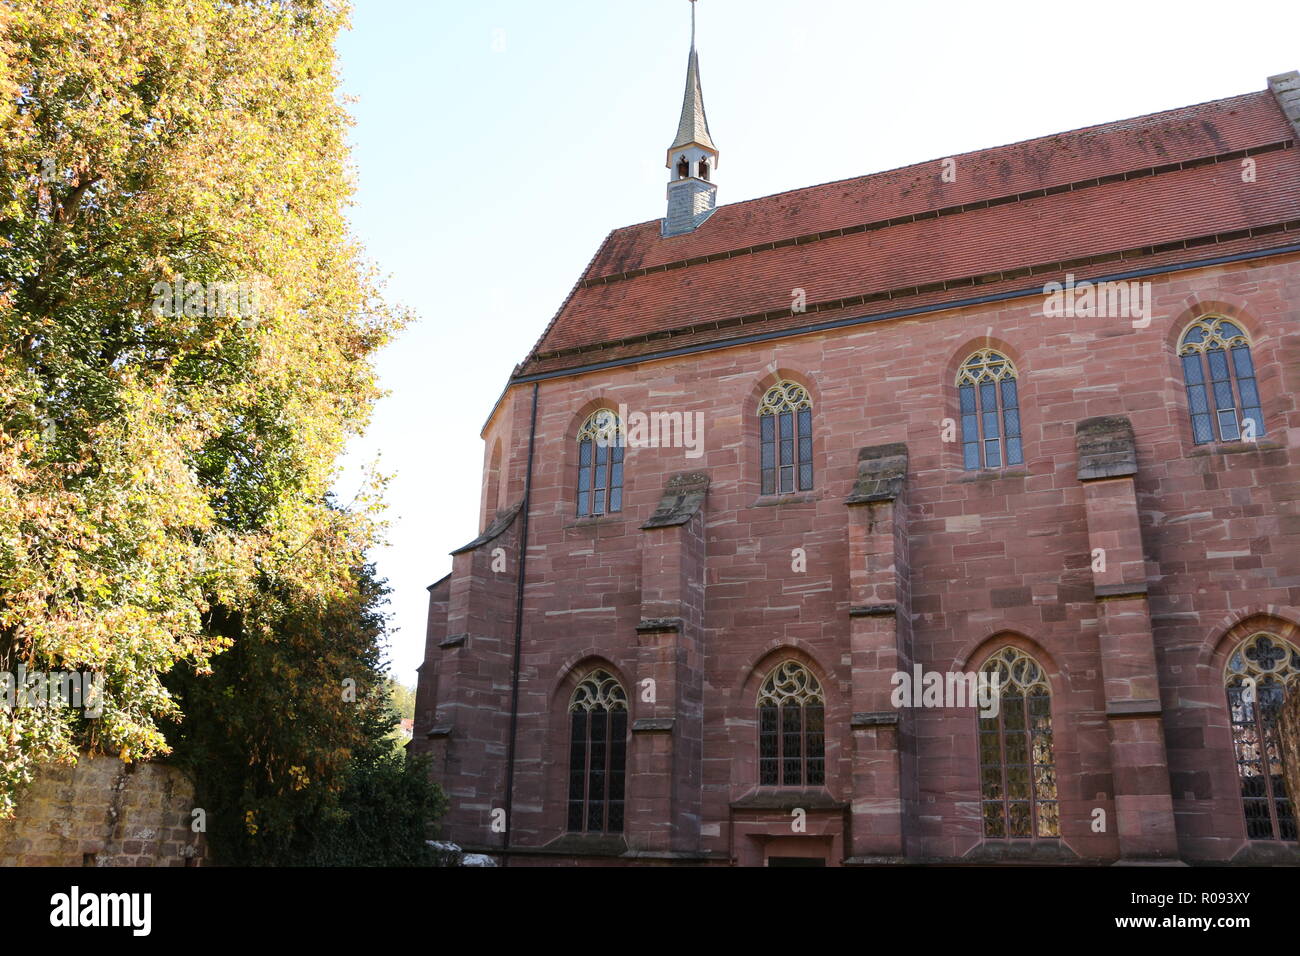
[692, 158]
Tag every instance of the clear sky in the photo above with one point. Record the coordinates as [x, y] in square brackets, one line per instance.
[497, 142]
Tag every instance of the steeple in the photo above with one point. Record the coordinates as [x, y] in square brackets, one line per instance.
[692, 158]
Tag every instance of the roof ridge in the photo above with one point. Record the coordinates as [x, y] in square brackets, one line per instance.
[925, 162]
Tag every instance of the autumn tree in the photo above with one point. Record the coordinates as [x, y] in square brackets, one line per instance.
[186, 336]
[290, 741]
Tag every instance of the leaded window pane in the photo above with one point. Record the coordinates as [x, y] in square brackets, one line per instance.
[990, 409]
[600, 464]
[786, 423]
[617, 769]
[769, 748]
[785, 439]
[791, 728]
[1228, 426]
[597, 754]
[805, 449]
[792, 746]
[1259, 674]
[1212, 398]
[1017, 765]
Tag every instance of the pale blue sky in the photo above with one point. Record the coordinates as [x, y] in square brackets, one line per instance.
[498, 142]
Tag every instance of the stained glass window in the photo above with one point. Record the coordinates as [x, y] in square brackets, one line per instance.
[597, 754]
[1017, 765]
[791, 728]
[990, 411]
[600, 464]
[785, 439]
[1258, 675]
[1222, 394]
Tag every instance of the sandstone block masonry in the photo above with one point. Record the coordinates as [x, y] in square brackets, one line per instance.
[104, 812]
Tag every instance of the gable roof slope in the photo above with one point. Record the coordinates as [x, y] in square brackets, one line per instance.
[1103, 189]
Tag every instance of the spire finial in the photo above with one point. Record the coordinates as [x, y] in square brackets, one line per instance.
[693, 126]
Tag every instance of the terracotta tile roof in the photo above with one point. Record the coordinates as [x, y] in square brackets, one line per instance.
[1121, 187]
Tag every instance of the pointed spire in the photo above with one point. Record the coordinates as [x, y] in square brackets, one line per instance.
[694, 125]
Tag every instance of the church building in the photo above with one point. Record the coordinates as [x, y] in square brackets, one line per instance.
[945, 514]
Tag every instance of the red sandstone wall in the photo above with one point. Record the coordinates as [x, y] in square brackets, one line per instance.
[991, 555]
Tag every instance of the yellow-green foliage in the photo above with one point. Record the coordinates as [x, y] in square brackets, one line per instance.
[153, 464]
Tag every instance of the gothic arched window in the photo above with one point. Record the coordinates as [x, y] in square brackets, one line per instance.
[597, 754]
[1220, 380]
[990, 411]
[791, 728]
[683, 169]
[785, 439]
[600, 464]
[1017, 766]
[1258, 675]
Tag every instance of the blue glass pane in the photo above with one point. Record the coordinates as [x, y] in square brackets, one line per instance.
[787, 480]
[1196, 399]
[1201, 432]
[1249, 395]
[1193, 374]
[991, 424]
[1014, 456]
[1218, 364]
[805, 450]
[988, 397]
[1228, 331]
[617, 450]
[992, 454]
[769, 481]
[1255, 415]
[1223, 395]
[805, 422]
[616, 476]
[1194, 336]
[1012, 421]
[769, 454]
[787, 425]
[584, 480]
[1009, 394]
[616, 499]
[967, 399]
[767, 425]
[805, 476]
[584, 452]
[971, 456]
[582, 504]
[1228, 426]
[969, 428]
[787, 452]
[602, 454]
[1241, 361]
